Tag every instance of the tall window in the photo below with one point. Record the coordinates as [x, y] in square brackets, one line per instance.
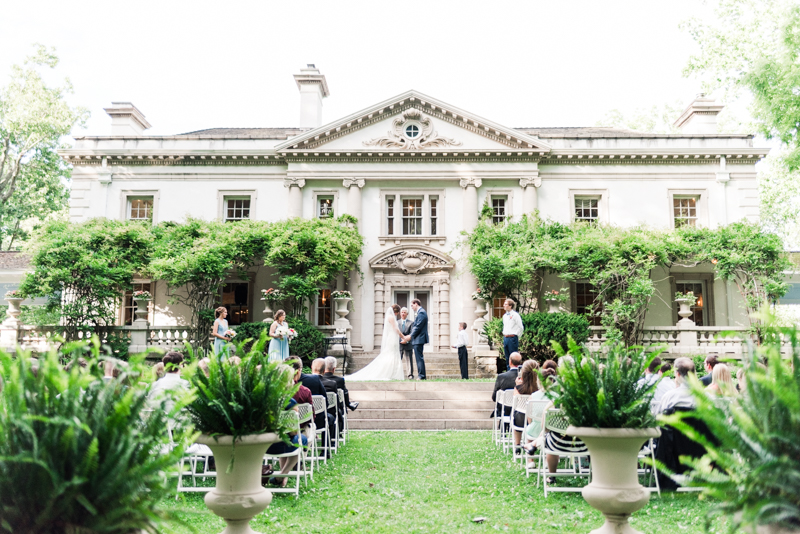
[235, 298]
[497, 306]
[324, 308]
[390, 215]
[140, 208]
[499, 210]
[684, 211]
[586, 209]
[434, 214]
[237, 208]
[325, 208]
[585, 295]
[412, 216]
[698, 310]
[129, 306]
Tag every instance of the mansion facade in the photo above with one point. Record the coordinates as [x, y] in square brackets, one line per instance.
[415, 172]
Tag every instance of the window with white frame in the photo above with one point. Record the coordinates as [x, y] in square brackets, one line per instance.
[412, 216]
[237, 208]
[587, 209]
[685, 210]
[499, 213]
[140, 208]
[324, 206]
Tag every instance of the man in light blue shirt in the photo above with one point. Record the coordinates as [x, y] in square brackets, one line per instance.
[512, 329]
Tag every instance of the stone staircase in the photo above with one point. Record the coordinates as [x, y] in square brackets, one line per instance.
[437, 364]
[421, 405]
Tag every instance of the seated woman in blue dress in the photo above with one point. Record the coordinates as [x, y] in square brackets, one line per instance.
[287, 463]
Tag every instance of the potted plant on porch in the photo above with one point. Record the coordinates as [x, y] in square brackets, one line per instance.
[237, 410]
[608, 408]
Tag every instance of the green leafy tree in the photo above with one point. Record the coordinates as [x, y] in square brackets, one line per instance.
[753, 46]
[84, 269]
[779, 199]
[33, 119]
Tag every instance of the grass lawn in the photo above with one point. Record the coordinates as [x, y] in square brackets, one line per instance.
[437, 482]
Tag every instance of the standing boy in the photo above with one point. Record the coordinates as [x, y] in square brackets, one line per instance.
[461, 345]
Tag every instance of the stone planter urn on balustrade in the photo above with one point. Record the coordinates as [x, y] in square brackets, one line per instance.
[615, 490]
[141, 308]
[268, 311]
[342, 306]
[685, 311]
[238, 496]
[14, 310]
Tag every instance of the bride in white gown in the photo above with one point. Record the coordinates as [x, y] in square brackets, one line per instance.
[387, 365]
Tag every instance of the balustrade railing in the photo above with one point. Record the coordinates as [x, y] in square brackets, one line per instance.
[170, 337]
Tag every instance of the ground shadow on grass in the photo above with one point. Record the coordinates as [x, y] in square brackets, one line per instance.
[434, 482]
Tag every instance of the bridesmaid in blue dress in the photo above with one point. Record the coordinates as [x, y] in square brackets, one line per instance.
[279, 346]
[218, 332]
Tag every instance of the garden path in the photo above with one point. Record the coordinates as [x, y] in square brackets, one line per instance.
[433, 482]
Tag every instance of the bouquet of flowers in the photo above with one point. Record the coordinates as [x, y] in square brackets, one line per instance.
[14, 294]
[559, 295]
[340, 294]
[142, 295]
[230, 334]
[273, 294]
[286, 333]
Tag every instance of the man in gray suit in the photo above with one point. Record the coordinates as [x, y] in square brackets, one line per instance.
[406, 351]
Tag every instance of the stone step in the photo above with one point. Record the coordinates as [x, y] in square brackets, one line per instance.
[362, 413]
[420, 424]
[420, 385]
[375, 396]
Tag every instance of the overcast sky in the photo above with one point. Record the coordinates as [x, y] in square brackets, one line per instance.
[194, 65]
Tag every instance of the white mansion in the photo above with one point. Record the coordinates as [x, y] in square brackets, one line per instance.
[415, 171]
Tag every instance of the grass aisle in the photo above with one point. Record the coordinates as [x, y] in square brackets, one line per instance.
[434, 482]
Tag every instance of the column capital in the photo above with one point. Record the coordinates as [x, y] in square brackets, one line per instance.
[471, 181]
[349, 182]
[535, 181]
[289, 182]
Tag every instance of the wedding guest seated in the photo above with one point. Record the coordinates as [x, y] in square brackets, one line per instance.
[303, 395]
[672, 444]
[203, 365]
[665, 384]
[286, 464]
[508, 379]
[721, 382]
[651, 374]
[172, 381]
[158, 370]
[527, 383]
[710, 362]
[314, 383]
[334, 383]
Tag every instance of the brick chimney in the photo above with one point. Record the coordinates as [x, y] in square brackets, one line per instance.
[700, 117]
[126, 119]
[313, 88]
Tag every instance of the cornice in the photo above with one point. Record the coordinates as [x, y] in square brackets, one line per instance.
[171, 159]
[669, 158]
[391, 156]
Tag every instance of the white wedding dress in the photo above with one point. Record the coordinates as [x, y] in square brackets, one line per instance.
[387, 365]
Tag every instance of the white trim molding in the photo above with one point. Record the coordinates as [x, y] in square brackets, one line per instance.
[601, 195]
[127, 194]
[426, 237]
[223, 194]
[702, 204]
[317, 193]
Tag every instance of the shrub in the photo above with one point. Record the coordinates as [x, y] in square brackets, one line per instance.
[77, 453]
[242, 399]
[309, 343]
[608, 395]
[247, 334]
[752, 468]
[541, 329]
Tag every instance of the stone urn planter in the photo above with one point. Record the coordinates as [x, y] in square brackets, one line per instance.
[685, 311]
[13, 310]
[341, 306]
[238, 495]
[553, 305]
[268, 305]
[615, 490]
[141, 308]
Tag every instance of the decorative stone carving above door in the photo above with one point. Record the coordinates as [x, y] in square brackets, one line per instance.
[412, 131]
[415, 266]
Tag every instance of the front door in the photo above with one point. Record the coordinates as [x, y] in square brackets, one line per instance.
[404, 297]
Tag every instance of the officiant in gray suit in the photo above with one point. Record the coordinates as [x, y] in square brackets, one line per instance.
[406, 351]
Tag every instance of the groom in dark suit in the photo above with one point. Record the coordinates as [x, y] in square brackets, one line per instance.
[419, 335]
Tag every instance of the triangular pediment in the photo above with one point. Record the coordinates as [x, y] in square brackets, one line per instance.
[413, 122]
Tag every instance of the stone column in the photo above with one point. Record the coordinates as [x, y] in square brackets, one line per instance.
[380, 308]
[444, 313]
[354, 281]
[295, 205]
[468, 283]
[530, 193]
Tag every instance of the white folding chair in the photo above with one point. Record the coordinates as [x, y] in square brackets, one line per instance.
[505, 420]
[571, 448]
[345, 427]
[291, 417]
[322, 434]
[334, 441]
[306, 416]
[534, 411]
[497, 417]
[518, 405]
[649, 452]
